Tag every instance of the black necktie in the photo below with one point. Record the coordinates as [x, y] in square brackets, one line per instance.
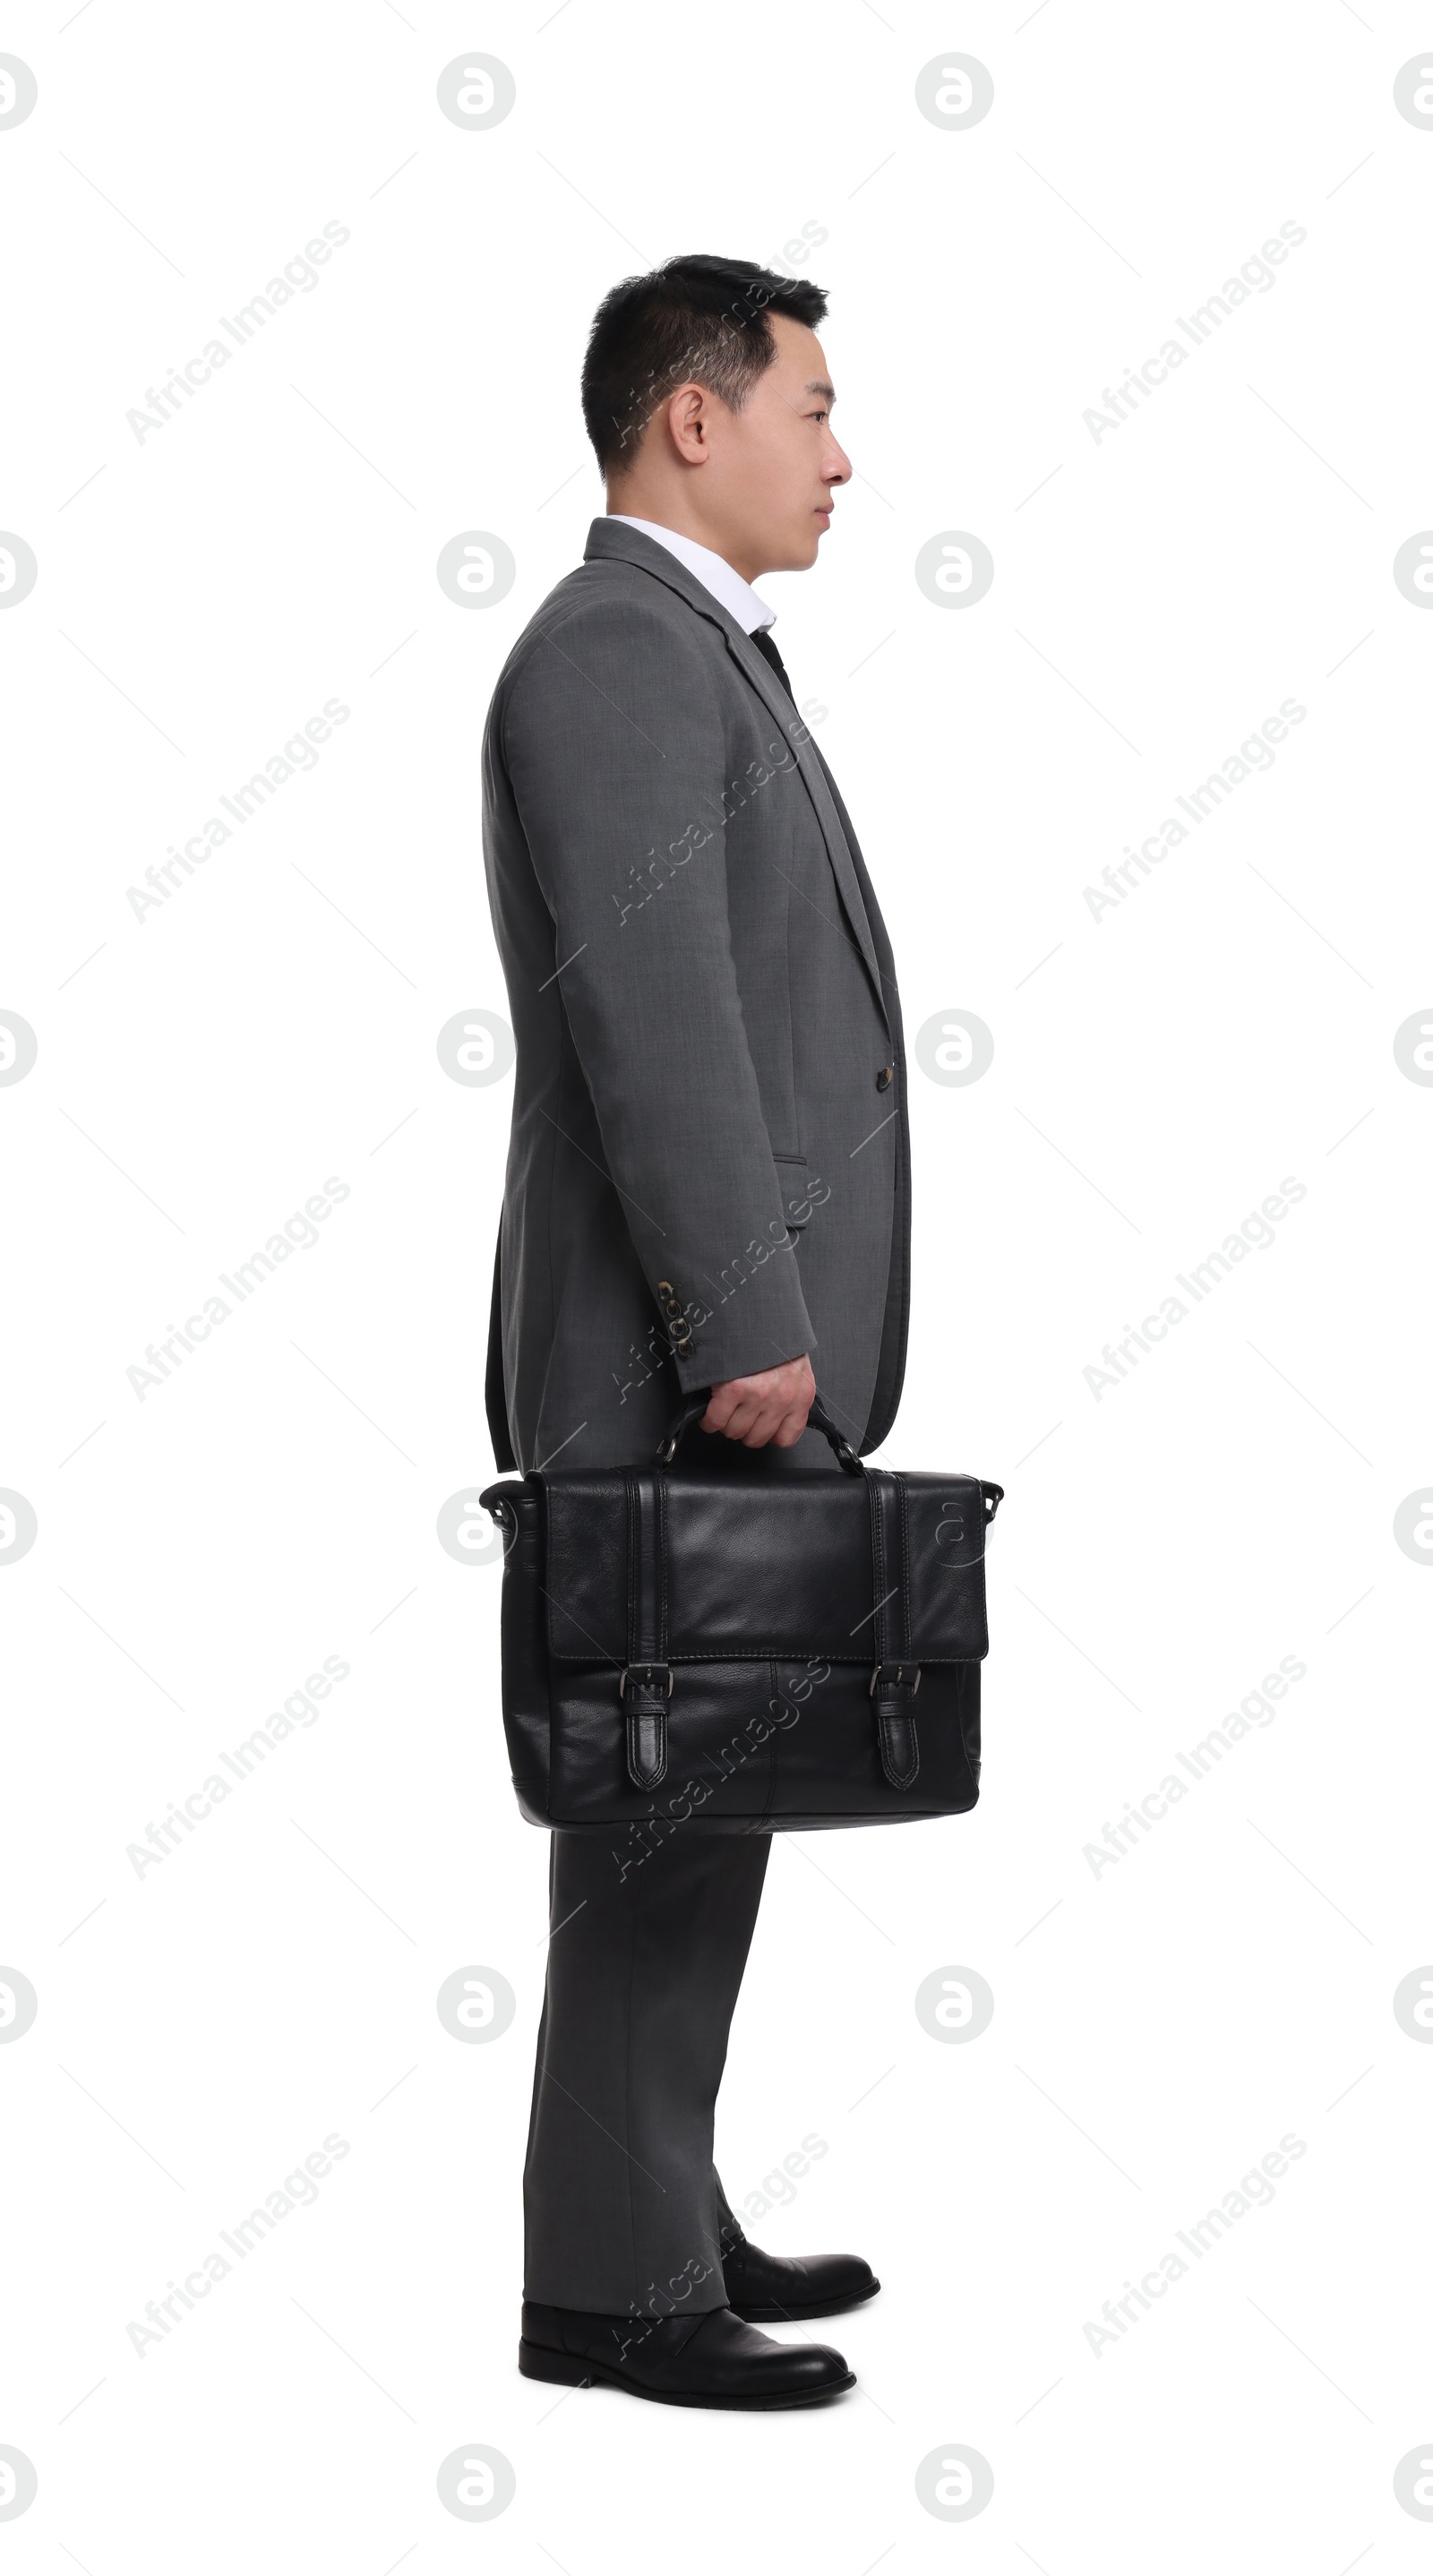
[766, 647]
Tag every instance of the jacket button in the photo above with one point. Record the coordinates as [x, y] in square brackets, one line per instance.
[885, 1077]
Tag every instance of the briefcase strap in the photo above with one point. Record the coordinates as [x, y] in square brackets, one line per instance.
[895, 1678]
[646, 1684]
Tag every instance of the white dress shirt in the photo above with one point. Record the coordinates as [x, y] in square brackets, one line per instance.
[713, 572]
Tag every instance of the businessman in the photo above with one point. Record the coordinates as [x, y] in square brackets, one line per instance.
[707, 1187]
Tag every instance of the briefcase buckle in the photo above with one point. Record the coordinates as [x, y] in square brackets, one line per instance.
[644, 1674]
[885, 1673]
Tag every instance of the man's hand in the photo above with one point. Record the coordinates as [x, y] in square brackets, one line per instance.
[770, 1407]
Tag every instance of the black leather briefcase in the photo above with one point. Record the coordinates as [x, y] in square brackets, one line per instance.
[719, 1653]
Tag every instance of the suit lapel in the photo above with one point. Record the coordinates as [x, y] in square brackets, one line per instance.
[877, 926]
[612, 537]
[808, 760]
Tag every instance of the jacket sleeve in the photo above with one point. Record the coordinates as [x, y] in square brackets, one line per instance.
[614, 747]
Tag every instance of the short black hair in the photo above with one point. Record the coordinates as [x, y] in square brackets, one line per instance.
[697, 316]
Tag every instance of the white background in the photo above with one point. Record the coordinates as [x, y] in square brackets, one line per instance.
[1157, 1072]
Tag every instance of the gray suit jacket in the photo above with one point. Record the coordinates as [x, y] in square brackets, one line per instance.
[709, 1168]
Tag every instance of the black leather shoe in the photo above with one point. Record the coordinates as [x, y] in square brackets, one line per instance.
[707, 2360]
[768, 2288]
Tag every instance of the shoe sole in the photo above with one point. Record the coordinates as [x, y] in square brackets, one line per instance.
[767, 2316]
[566, 2371]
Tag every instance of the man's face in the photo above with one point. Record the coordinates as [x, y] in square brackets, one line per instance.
[768, 485]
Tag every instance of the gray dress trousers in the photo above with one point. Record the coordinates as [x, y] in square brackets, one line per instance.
[625, 2212]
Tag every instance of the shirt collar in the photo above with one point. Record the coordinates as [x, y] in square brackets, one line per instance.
[712, 570]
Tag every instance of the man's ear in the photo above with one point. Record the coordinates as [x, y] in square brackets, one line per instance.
[688, 413]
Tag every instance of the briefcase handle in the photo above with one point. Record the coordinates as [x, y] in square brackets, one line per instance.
[818, 1419]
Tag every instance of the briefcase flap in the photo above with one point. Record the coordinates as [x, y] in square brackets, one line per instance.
[782, 1569]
